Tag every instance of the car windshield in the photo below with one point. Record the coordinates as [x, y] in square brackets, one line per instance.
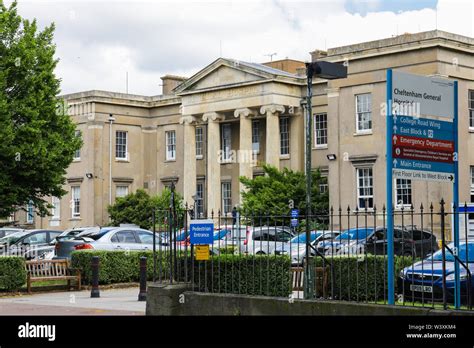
[12, 238]
[301, 238]
[355, 233]
[95, 235]
[220, 234]
[466, 253]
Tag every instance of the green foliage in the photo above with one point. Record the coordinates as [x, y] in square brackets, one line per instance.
[137, 208]
[272, 192]
[12, 273]
[360, 278]
[37, 136]
[242, 274]
[115, 266]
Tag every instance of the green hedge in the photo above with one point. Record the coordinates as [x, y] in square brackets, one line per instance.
[252, 275]
[361, 278]
[12, 273]
[242, 274]
[115, 266]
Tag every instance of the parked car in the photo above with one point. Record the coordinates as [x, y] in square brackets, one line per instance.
[424, 279]
[30, 245]
[265, 239]
[349, 241]
[117, 238]
[236, 237]
[5, 231]
[296, 247]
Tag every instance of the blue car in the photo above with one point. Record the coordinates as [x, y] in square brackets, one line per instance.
[350, 237]
[423, 280]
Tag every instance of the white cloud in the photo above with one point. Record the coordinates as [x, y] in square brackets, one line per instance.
[99, 41]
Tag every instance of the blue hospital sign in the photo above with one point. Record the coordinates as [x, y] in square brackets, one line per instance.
[201, 231]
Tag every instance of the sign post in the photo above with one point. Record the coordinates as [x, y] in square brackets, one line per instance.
[421, 148]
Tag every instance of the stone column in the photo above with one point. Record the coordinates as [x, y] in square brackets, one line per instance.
[213, 175]
[297, 140]
[272, 136]
[189, 159]
[245, 146]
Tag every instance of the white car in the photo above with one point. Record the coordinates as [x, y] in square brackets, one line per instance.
[264, 240]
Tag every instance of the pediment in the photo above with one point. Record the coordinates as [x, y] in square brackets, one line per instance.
[223, 76]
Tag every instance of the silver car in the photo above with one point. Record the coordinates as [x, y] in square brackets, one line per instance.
[6, 231]
[108, 238]
[264, 240]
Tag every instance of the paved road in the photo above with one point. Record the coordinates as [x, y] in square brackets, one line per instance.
[111, 302]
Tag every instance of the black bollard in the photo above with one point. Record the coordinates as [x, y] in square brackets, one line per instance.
[142, 294]
[95, 277]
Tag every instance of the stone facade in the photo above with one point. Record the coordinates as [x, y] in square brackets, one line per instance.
[244, 114]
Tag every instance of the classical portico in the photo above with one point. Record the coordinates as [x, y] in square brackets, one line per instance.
[249, 99]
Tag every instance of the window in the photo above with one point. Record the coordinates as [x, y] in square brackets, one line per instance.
[403, 192]
[472, 184]
[226, 142]
[363, 112]
[56, 210]
[121, 145]
[199, 142]
[256, 136]
[226, 197]
[199, 203]
[121, 191]
[76, 201]
[145, 237]
[124, 237]
[471, 108]
[170, 145]
[30, 213]
[365, 188]
[320, 129]
[284, 136]
[37, 238]
[77, 153]
[323, 185]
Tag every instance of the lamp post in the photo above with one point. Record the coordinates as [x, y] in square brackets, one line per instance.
[329, 71]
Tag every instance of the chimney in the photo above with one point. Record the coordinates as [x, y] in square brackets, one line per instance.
[318, 54]
[170, 82]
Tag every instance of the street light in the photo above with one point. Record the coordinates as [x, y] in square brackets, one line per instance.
[329, 71]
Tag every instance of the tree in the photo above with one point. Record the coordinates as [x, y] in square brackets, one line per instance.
[273, 192]
[38, 137]
[137, 208]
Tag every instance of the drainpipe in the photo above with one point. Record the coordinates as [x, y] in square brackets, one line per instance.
[111, 121]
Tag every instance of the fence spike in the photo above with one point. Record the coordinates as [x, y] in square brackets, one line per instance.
[421, 206]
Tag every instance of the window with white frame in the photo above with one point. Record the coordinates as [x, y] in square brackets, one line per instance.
[363, 112]
[471, 108]
[284, 136]
[199, 202]
[77, 153]
[56, 210]
[75, 201]
[365, 188]
[323, 185]
[170, 145]
[199, 142]
[121, 191]
[121, 145]
[30, 213]
[403, 193]
[226, 142]
[226, 197]
[320, 129]
[472, 183]
[256, 136]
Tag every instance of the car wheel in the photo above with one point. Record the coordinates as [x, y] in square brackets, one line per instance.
[260, 253]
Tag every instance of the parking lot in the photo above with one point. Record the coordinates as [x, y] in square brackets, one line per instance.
[111, 302]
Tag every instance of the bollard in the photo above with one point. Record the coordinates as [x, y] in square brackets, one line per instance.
[95, 277]
[142, 293]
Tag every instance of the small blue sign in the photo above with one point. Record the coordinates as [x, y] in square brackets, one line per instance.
[295, 213]
[294, 222]
[201, 231]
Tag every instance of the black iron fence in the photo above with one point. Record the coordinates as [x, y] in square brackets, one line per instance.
[265, 254]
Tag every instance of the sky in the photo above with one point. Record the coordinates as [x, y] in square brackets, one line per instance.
[100, 41]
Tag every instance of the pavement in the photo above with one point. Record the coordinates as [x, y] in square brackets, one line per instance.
[111, 302]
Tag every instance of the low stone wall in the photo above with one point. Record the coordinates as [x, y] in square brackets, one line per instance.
[178, 300]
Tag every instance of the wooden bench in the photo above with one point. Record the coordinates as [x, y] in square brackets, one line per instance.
[45, 270]
[321, 281]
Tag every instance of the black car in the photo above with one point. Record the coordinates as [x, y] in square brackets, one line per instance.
[28, 244]
[409, 241]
